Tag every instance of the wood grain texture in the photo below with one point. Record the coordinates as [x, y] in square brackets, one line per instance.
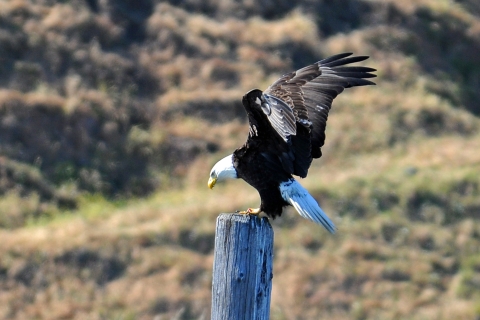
[242, 268]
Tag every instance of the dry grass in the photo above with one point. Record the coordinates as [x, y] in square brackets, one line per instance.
[147, 107]
[346, 274]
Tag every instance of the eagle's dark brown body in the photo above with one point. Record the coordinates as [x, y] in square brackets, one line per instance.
[262, 172]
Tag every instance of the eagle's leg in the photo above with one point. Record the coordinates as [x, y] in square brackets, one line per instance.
[251, 211]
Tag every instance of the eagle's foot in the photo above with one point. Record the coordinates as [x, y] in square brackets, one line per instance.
[251, 211]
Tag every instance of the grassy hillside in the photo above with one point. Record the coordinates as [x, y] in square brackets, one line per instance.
[113, 112]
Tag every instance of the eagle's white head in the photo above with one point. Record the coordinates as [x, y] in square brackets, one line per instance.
[222, 170]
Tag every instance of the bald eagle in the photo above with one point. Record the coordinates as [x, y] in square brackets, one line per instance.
[287, 130]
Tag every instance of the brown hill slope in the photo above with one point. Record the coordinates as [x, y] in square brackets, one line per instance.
[113, 99]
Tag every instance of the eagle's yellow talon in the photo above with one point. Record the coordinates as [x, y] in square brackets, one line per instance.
[250, 211]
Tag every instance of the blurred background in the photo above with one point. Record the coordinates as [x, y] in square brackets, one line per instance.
[113, 112]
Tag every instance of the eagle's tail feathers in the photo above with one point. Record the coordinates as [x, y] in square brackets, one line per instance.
[296, 195]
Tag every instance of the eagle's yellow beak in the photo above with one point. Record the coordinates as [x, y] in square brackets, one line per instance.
[211, 182]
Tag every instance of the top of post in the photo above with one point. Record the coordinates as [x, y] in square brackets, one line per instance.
[253, 220]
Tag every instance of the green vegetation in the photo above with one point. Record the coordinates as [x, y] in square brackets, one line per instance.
[112, 114]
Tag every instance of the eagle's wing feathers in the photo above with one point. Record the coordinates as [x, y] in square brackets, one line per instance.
[309, 92]
[281, 116]
[297, 105]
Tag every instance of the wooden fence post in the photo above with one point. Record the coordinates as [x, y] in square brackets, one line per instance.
[242, 268]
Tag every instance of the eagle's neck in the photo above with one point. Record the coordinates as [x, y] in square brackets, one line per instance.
[224, 169]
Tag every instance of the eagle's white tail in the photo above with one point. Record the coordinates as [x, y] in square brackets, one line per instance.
[305, 204]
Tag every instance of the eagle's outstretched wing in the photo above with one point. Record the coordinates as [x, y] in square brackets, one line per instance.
[308, 93]
[296, 106]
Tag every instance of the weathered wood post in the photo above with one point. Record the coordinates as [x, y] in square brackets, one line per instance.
[242, 268]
